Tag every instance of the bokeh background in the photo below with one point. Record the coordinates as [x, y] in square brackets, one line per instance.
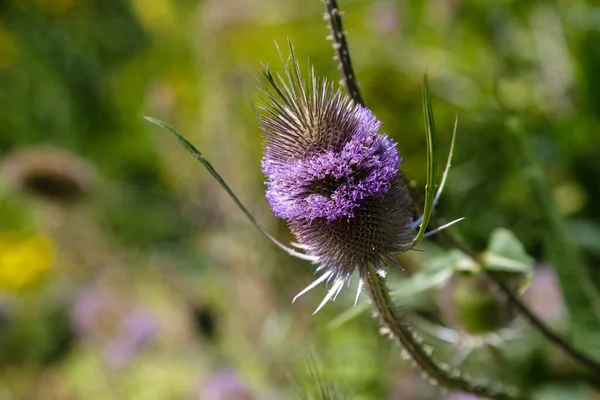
[127, 273]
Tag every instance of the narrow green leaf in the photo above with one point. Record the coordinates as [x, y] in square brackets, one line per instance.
[442, 185]
[431, 162]
[196, 153]
[448, 163]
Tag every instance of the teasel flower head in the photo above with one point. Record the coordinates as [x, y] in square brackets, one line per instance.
[333, 176]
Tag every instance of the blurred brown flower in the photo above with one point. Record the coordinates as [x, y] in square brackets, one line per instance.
[48, 172]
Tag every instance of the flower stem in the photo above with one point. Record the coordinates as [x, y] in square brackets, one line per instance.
[580, 293]
[342, 53]
[395, 321]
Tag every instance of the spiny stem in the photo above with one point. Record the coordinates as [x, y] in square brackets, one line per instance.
[394, 320]
[342, 53]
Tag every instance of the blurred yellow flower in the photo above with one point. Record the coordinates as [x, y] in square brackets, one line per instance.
[55, 7]
[24, 259]
[9, 48]
[156, 16]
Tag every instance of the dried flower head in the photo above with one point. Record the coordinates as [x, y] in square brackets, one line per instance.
[333, 176]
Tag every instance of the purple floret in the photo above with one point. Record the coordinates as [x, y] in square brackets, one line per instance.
[332, 183]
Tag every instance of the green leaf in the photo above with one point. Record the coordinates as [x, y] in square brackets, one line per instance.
[433, 274]
[448, 163]
[431, 162]
[506, 253]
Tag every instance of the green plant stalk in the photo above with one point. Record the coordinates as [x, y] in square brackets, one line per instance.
[581, 295]
[395, 321]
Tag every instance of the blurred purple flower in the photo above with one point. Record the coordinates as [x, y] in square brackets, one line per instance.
[137, 330]
[384, 17]
[331, 183]
[139, 327]
[223, 385]
[122, 334]
[463, 396]
[118, 354]
[544, 296]
[86, 310]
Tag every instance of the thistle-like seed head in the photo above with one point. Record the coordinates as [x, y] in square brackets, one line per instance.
[332, 174]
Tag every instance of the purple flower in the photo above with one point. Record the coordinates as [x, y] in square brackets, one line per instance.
[333, 176]
[137, 330]
[121, 331]
[331, 183]
[463, 396]
[224, 385]
[87, 310]
[544, 296]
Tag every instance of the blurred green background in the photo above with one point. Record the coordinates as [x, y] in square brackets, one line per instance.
[127, 273]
